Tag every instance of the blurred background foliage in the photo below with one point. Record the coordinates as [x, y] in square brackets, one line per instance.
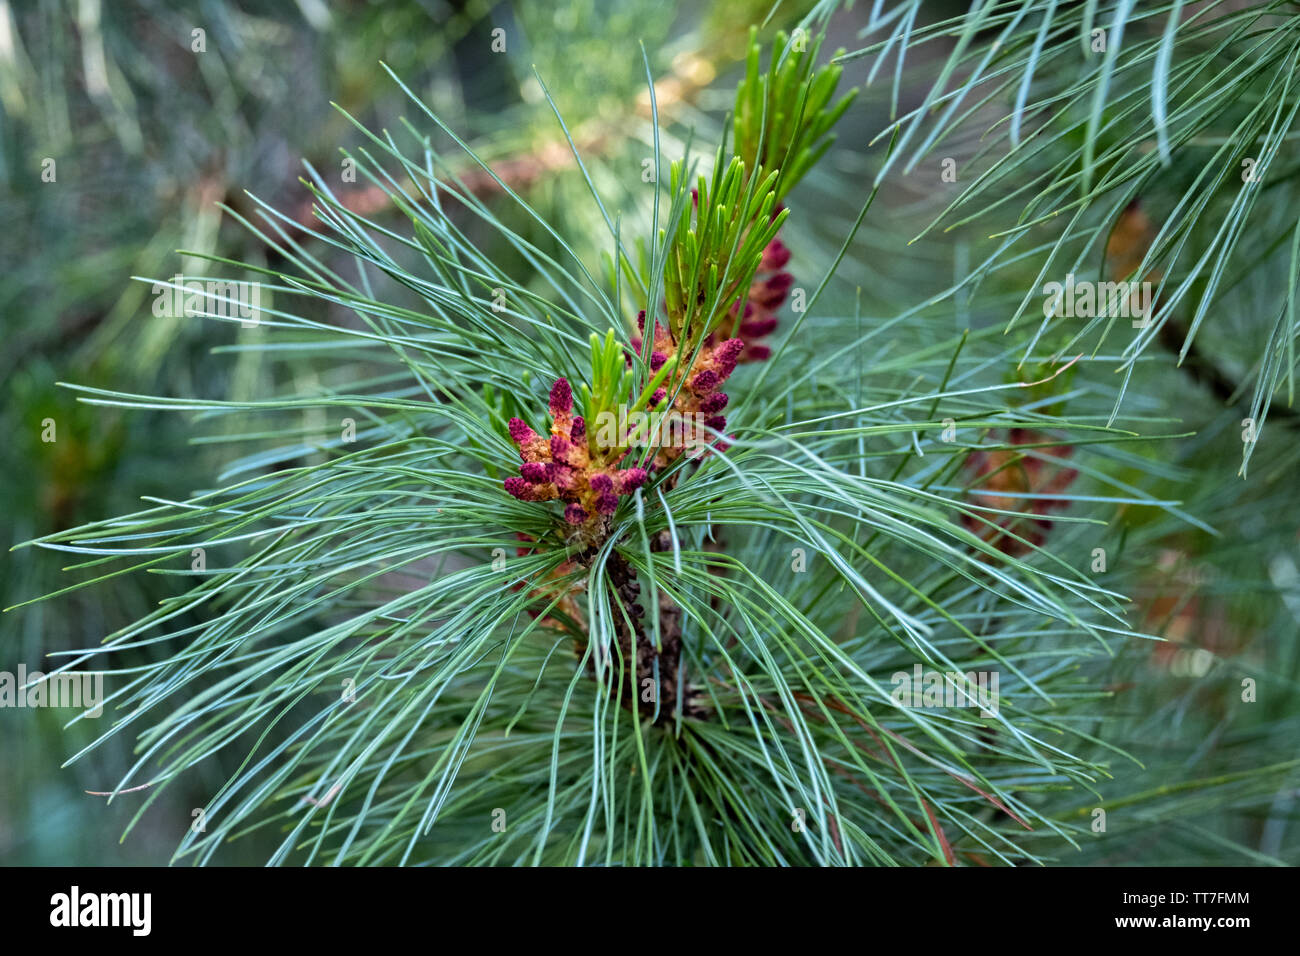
[150, 139]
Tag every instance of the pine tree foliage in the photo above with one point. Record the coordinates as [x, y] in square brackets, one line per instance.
[442, 620]
[1090, 109]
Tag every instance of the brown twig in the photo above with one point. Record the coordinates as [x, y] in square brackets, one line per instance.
[638, 647]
